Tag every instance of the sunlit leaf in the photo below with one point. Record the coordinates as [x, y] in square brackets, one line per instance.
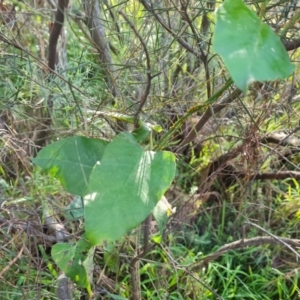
[71, 160]
[251, 50]
[125, 188]
[162, 212]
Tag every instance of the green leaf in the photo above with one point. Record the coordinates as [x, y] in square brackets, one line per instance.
[157, 128]
[141, 133]
[88, 264]
[116, 297]
[250, 49]
[111, 257]
[118, 116]
[162, 212]
[75, 209]
[75, 261]
[125, 188]
[144, 130]
[62, 253]
[157, 238]
[71, 161]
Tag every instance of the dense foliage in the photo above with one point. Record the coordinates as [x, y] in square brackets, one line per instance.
[100, 100]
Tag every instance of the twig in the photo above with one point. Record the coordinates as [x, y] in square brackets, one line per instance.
[205, 285]
[243, 243]
[187, 18]
[279, 240]
[148, 71]
[210, 111]
[97, 30]
[5, 269]
[195, 109]
[134, 266]
[175, 265]
[280, 175]
[290, 23]
[182, 42]
[282, 139]
[19, 47]
[25, 226]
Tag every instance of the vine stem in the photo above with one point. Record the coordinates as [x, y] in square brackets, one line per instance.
[135, 265]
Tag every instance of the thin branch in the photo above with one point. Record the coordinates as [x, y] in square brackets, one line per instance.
[291, 22]
[218, 163]
[286, 138]
[182, 42]
[187, 18]
[55, 32]
[177, 266]
[148, 71]
[244, 243]
[193, 110]
[279, 240]
[12, 262]
[25, 226]
[134, 266]
[19, 47]
[210, 111]
[282, 139]
[277, 138]
[280, 175]
[97, 30]
[204, 284]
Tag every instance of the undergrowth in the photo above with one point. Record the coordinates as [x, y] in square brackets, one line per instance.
[215, 207]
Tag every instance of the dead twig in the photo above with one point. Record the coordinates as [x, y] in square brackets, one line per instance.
[244, 243]
[12, 262]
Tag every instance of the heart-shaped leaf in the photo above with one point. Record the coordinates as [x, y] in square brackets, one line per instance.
[124, 188]
[251, 50]
[71, 160]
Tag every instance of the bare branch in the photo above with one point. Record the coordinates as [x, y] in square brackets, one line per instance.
[148, 71]
[210, 111]
[280, 175]
[279, 240]
[97, 30]
[55, 32]
[244, 243]
[281, 139]
[182, 42]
